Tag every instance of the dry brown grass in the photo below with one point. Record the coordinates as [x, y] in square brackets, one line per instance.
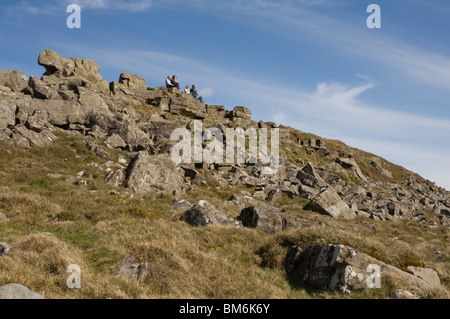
[96, 227]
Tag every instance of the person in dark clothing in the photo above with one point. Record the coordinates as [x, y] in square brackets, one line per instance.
[175, 82]
[195, 94]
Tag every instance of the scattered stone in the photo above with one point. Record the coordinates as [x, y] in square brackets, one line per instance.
[151, 175]
[116, 141]
[329, 203]
[3, 216]
[4, 249]
[132, 269]
[18, 291]
[403, 294]
[350, 164]
[270, 220]
[204, 213]
[116, 178]
[181, 204]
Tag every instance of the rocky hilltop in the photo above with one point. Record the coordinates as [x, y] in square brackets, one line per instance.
[308, 218]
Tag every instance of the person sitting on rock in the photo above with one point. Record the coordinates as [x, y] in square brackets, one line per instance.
[169, 82]
[195, 94]
[175, 82]
[187, 90]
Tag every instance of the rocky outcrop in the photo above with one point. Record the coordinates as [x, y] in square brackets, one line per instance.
[18, 291]
[343, 268]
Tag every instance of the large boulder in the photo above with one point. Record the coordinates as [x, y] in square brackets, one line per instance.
[269, 219]
[329, 203]
[133, 82]
[204, 213]
[52, 62]
[343, 268]
[17, 291]
[151, 175]
[15, 80]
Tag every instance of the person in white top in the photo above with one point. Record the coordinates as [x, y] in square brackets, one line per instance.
[187, 90]
[169, 82]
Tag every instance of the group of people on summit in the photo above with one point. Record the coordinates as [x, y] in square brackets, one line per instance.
[172, 82]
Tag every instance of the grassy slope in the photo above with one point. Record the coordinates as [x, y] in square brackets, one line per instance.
[96, 226]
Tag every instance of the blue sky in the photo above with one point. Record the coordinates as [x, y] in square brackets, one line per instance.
[310, 64]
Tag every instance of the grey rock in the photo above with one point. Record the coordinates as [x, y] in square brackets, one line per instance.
[270, 220]
[18, 291]
[116, 141]
[150, 175]
[132, 269]
[7, 114]
[403, 294]
[204, 213]
[180, 204]
[341, 268]
[307, 192]
[133, 82]
[4, 249]
[116, 178]
[427, 274]
[329, 203]
[3, 216]
[15, 80]
[350, 164]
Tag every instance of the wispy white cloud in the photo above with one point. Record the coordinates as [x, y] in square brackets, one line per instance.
[136, 5]
[58, 7]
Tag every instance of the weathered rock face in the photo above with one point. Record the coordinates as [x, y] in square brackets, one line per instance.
[17, 291]
[133, 82]
[428, 275]
[204, 213]
[241, 116]
[342, 268]
[350, 164]
[270, 220]
[328, 202]
[15, 80]
[151, 175]
[7, 114]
